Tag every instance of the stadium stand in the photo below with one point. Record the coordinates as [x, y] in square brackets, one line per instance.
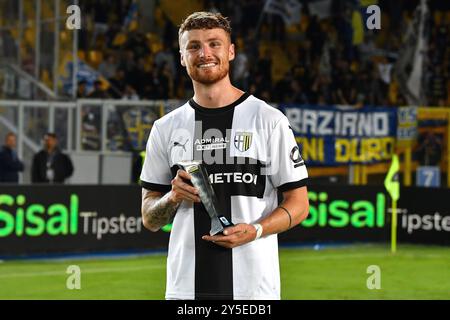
[323, 62]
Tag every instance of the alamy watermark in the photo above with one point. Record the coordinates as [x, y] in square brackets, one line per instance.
[73, 281]
[74, 20]
[374, 20]
[374, 280]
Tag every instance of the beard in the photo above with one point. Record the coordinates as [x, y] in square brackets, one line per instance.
[209, 77]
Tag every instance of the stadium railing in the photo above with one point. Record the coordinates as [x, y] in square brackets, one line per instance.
[119, 128]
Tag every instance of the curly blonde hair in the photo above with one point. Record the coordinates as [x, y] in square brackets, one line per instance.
[205, 20]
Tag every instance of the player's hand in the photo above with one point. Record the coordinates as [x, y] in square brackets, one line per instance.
[234, 236]
[182, 190]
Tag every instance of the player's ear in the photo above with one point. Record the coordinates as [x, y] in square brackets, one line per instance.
[231, 52]
[183, 63]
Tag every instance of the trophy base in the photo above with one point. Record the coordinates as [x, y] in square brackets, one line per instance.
[219, 224]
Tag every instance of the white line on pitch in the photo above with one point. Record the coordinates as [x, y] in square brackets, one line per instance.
[83, 271]
[359, 255]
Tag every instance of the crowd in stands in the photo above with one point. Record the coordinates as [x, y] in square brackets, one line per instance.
[326, 67]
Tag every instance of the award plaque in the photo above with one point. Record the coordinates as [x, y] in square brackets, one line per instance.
[207, 195]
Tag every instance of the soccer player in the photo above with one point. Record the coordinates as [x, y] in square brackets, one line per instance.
[250, 153]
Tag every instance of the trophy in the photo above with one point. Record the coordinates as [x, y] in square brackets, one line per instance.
[201, 181]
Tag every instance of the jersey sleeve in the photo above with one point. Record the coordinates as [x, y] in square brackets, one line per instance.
[156, 174]
[287, 167]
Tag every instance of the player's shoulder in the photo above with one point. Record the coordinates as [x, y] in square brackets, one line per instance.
[263, 110]
[171, 118]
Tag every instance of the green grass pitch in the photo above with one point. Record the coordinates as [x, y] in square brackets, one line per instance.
[414, 272]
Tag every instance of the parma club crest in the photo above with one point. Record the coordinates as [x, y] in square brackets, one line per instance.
[243, 141]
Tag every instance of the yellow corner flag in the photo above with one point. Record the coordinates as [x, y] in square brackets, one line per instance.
[392, 185]
[392, 182]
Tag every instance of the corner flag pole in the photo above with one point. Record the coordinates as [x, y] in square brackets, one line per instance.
[392, 185]
[394, 227]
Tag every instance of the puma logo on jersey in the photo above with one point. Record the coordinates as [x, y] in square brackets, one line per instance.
[178, 144]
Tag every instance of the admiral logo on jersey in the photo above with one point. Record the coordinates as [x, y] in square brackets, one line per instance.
[211, 143]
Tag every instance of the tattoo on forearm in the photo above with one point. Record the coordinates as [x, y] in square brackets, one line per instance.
[289, 215]
[159, 212]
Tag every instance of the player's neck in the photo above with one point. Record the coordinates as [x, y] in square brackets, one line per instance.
[218, 95]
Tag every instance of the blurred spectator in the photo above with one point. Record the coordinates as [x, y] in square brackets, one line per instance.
[10, 165]
[437, 86]
[7, 45]
[378, 88]
[160, 81]
[170, 33]
[137, 44]
[50, 165]
[264, 64]
[441, 35]
[98, 92]
[165, 56]
[142, 75]
[281, 90]
[361, 94]
[82, 89]
[241, 69]
[297, 93]
[108, 67]
[315, 35]
[118, 83]
[303, 58]
[130, 93]
[113, 30]
[100, 20]
[429, 151]
[129, 66]
[277, 27]
[344, 91]
[321, 91]
[345, 32]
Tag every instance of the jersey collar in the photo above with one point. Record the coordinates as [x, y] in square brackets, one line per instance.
[198, 107]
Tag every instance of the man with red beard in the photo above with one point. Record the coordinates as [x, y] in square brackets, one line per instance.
[250, 153]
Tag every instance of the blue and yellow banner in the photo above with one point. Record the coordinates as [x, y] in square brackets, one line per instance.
[337, 135]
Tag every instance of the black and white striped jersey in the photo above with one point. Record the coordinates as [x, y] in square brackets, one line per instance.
[250, 151]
